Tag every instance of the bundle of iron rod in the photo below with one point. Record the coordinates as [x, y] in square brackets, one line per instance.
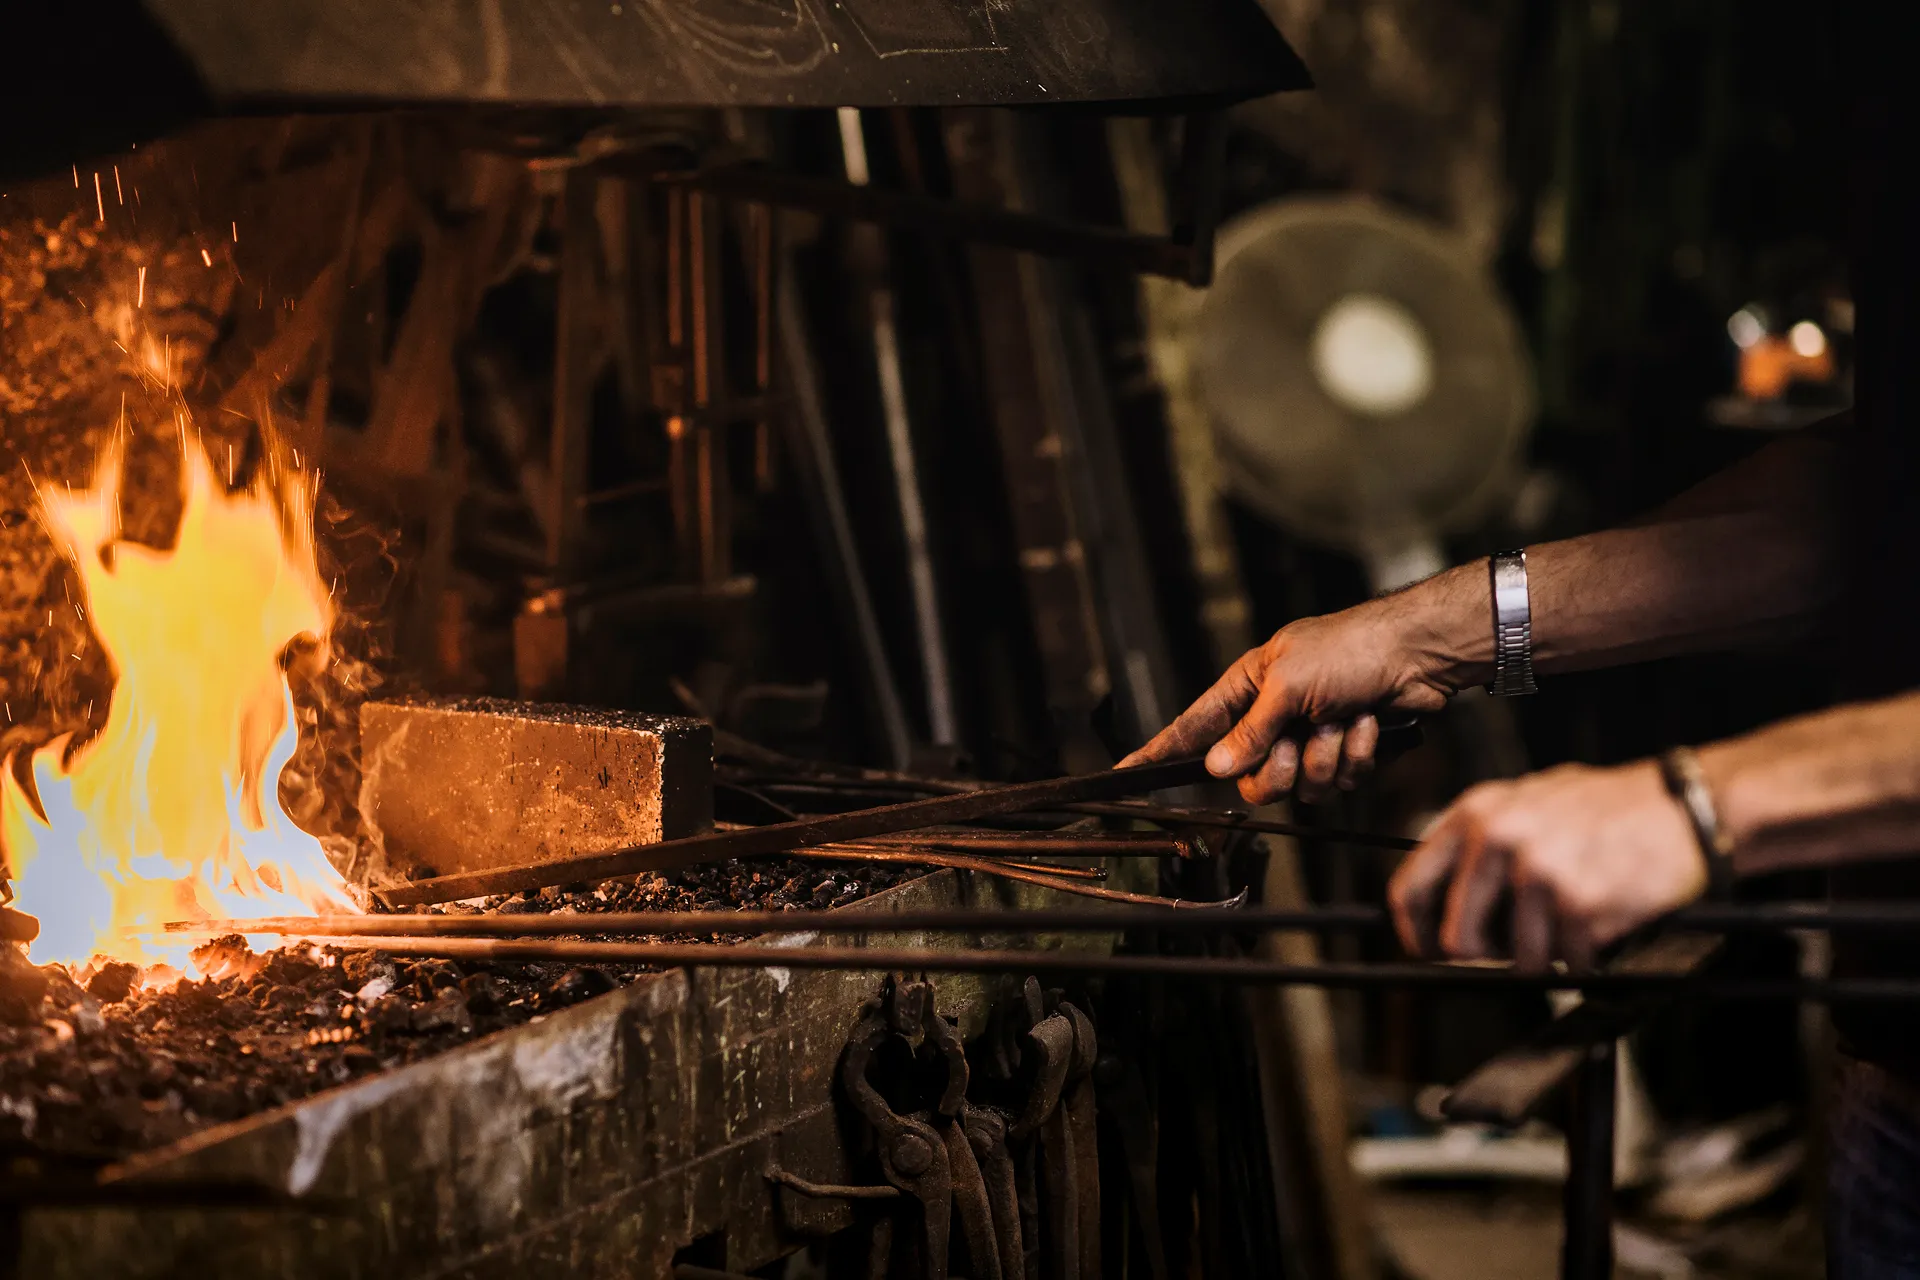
[1171, 816]
[948, 808]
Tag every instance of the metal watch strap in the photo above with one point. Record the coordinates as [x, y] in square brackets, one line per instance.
[1686, 782]
[1512, 625]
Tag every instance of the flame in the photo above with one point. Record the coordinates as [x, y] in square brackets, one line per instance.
[172, 811]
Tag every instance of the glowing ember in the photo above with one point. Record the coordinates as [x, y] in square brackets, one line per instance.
[172, 811]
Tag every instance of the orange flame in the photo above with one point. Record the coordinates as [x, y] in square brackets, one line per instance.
[172, 812]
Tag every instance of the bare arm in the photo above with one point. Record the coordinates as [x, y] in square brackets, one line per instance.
[1839, 785]
[1748, 554]
[1585, 855]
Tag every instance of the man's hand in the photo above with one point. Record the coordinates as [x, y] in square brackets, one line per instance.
[1329, 673]
[1584, 855]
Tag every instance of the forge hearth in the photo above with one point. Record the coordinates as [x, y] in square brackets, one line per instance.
[106, 1070]
[475, 1117]
[600, 1138]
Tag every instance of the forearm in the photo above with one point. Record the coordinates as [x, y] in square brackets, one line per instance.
[1838, 786]
[1751, 554]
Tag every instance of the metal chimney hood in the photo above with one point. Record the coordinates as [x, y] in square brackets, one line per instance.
[98, 76]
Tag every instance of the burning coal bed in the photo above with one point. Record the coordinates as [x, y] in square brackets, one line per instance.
[107, 1069]
[113, 1039]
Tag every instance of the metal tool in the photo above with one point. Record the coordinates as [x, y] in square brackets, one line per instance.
[783, 837]
[913, 1155]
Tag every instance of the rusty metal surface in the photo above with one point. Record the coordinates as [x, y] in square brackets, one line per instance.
[771, 53]
[594, 1142]
[476, 784]
[101, 76]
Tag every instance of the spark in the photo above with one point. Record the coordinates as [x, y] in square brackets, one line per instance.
[9, 713]
[141, 300]
[76, 177]
[99, 199]
[236, 233]
[206, 257]
[118, 193]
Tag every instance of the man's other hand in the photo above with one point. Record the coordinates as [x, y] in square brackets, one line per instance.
[1583, 855]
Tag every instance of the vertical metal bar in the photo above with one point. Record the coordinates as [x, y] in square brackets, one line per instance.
[760, 230]
[1586, 1248]
[941, 725]
[575, 349]
[811, 452]
[1203, 179]
[676, 268]
[672, 391]
[712, 486]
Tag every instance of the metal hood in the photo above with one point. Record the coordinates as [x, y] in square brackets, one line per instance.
[97, 76]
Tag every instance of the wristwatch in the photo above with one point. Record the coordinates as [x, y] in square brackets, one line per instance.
[1686, 782]
[1512, 625]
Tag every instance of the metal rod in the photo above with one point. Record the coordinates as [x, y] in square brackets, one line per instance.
[1048, 962]
[810, 451]
[1771, 916]
[661, 923]
[941, 723]
[895, 856]
[783, 837]
[1052, 844]
[1586, 1245]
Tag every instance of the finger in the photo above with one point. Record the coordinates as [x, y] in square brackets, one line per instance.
[1273, 779]
[1246, 745]
[1211, 715]
[1320, 760]
[1417, 888]
[1356, 753]
[1577, 942]
[1476, 888]
[1533, 921]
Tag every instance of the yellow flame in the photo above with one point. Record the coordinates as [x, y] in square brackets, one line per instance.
[172, 811]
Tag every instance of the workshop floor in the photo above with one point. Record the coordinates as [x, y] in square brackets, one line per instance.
[1502, 1233]
[1512, 1232]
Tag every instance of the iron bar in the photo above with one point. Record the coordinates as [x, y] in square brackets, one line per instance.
[1756, 917]
[1586, 1247]
[810, 452]
[894, 856]
[869, 253]
[1052, 844]
[663, 923]
[784, 837]
[1082, 964]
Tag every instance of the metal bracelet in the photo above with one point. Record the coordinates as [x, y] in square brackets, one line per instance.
[1512, 625]
[1686, 782]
